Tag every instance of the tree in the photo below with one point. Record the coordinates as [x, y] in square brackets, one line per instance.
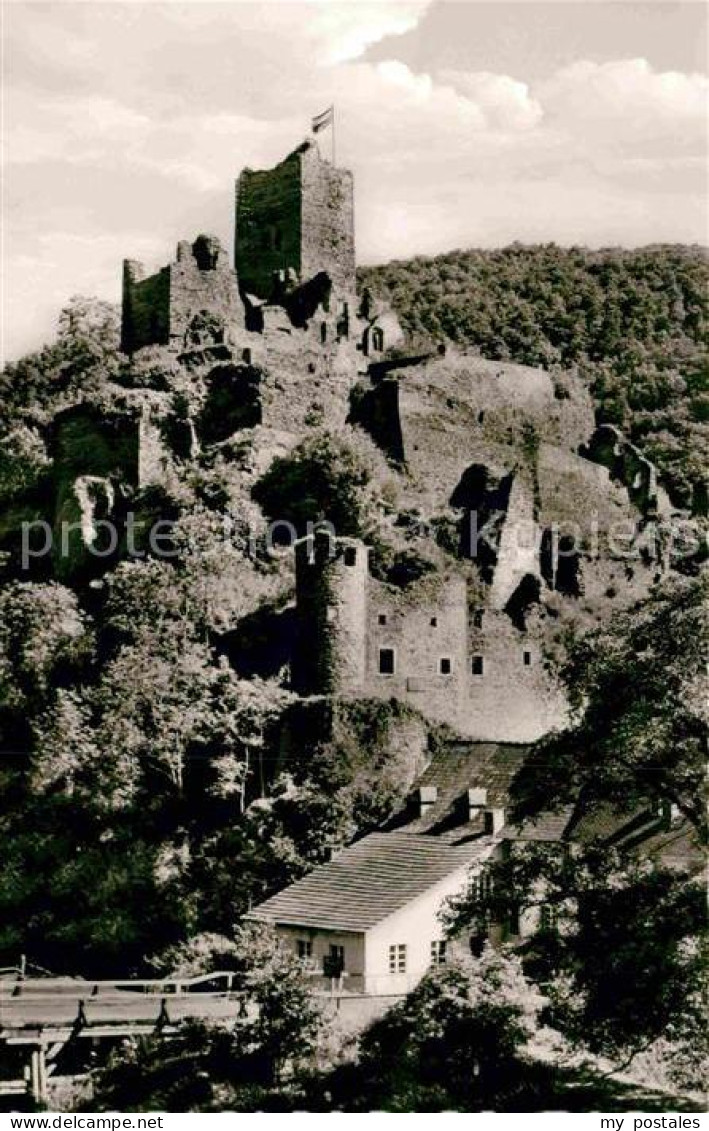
[286, 1021]
[23, 460]
[327, 478]
[639, 724]
[618, 949]
[45, 640]
[81, 360]
[456, 1040]
[237, 1064]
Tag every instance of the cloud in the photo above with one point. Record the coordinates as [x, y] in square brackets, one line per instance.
[626, 93]
[347, 30]
[505, 102]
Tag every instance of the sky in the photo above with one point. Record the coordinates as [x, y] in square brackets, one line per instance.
[466, 124]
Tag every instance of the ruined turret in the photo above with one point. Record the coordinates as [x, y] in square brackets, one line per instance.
[190, 303]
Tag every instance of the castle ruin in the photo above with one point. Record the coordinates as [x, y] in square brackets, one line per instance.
[282, 344]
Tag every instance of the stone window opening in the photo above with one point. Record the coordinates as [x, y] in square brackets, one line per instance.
[350, 556]
[434, 622]
[397, 958]
[527, 657]
[478, 618]
[513, 926]
[438, 952]
[477, 665]
[444, 665]
[323, 332]
[387, 661]
[377, 339]
[382, 618]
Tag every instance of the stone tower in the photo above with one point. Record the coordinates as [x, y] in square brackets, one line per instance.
[331, 601]
[194, 300]
[296, 219]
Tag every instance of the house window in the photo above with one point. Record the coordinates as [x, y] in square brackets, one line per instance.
[477, 666]
[382, 618]
[549, 917]
[334, 961]
[434, 622]
[323, 332]
[377, 339]
[444, 665]
[386, 661]
[305, 948]
[513, 921]
[480, 886]
[397, 958]
[438, 952]
[350, 555]
[478, 618]
[527, 657]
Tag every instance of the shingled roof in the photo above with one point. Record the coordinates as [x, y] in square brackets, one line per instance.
[460, 766]
[368, 881]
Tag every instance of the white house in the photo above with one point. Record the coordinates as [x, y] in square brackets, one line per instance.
[372, 912]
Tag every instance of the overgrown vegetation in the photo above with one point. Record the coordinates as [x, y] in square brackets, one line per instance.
[139, 764]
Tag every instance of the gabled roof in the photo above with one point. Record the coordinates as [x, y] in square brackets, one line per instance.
[549, 825]
[460, 766]
[369, 881]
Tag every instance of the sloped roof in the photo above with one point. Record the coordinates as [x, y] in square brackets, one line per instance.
[546, 826]
[368, 881]
[455, 769]
[644, 832]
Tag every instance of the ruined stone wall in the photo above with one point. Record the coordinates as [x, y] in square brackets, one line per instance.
[327, 222]
[452, 411]
[306, 383]
[202, 282]
[518, 546]
[510, 695]
[298, 216]
[627, 465]
[193, 301]
[152, 453]
[268, 225]
[85, 442]
[468, 668]
[422, 629]
[146, 307]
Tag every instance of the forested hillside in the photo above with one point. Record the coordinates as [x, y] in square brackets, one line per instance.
[632, 322]
[159, 775]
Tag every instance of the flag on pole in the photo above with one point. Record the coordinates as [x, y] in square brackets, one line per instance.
[322, 121]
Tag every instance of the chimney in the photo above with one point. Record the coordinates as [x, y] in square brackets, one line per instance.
[494, 821]
[427, 797]
[477, 800]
